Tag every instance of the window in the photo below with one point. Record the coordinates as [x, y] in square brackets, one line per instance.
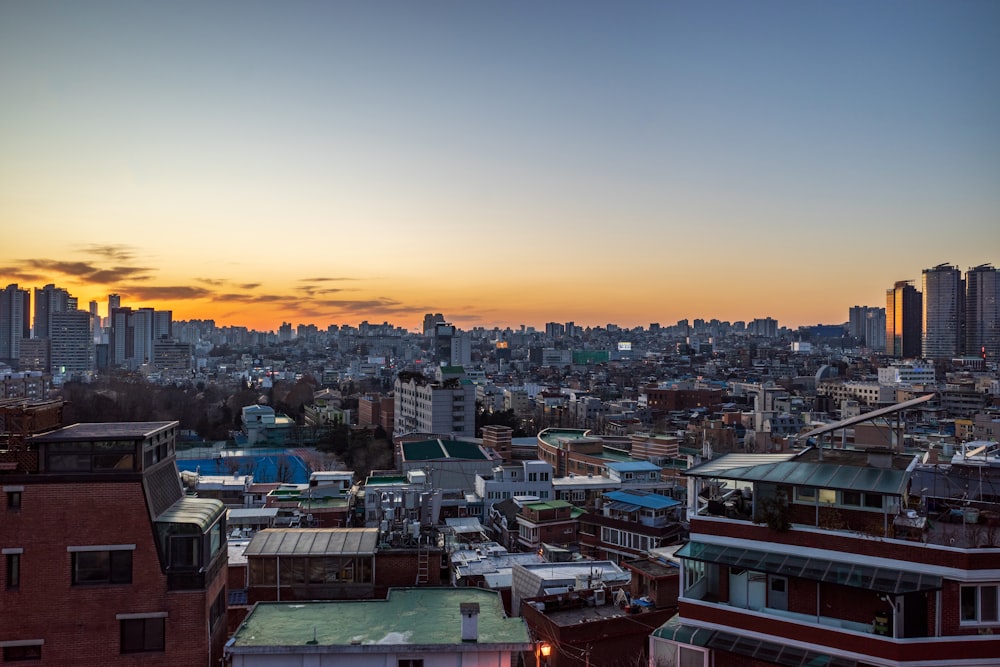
[143, 634]
[805, 494]
[22, 651]
[980, 604]
[410, 662]
[13, 500]
[185, 551]
[13, 559]
[217, 611]
[112, 566]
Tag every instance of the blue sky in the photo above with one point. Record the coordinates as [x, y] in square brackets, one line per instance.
[501, 163]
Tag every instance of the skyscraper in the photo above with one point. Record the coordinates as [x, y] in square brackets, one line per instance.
[71, 343]
[982, 312]
[944, 297]
[867, 323]
[903, 306]
[49, 299]
[15, 305]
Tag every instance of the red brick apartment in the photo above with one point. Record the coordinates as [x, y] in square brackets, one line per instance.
[845, 558]
[106, 562]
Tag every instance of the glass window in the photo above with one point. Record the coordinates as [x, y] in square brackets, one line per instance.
[828, 496]
[102, 567]
[805, 493]
[873, 500]
[185, 551]
[141, 635]
[980, 604]
[13, 571]
[14, 500]
[22, 653]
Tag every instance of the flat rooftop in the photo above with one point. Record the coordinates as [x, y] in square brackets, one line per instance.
[416, 617]
[104, 431]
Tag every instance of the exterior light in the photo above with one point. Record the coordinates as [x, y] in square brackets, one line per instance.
[545, 649]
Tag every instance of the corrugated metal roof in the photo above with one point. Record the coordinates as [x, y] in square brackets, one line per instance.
[732, 461]
[201, 512]
[771, 652]
[827, 475]
[314, 542]
[880, 579]
[642, 499]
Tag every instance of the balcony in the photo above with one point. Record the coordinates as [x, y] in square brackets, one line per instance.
[828, 635]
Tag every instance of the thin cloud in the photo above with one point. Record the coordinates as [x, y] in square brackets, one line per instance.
[83, 271]
[167, 292]
[117, 274]
[115, 252]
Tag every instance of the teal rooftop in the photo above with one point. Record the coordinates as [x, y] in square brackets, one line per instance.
[414, 617]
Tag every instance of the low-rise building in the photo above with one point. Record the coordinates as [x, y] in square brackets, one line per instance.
[410, 628]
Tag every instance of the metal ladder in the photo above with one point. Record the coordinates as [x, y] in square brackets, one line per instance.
[423, 562]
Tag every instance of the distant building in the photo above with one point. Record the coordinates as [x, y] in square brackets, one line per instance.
[943, 316]
[71, 343]
[982, 312]
[447, 407]
[903, 312]
[15, 304]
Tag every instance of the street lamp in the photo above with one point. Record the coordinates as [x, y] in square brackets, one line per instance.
[542, 650]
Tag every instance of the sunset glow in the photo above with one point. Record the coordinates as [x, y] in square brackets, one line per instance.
[500, 163]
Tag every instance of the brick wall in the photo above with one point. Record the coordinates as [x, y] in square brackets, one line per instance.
[78, 623]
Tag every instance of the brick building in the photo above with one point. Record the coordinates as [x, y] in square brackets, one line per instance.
[837, 557]
[106, 561]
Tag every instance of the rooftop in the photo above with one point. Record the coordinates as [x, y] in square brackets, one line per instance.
[429, 450]
[641, 499]
[104, 431]
[314, 542]
[413, 617]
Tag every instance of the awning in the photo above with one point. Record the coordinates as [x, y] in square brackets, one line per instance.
[879, 579]
[314, 542]
[201, 512]
[790, 656]
[828, 475]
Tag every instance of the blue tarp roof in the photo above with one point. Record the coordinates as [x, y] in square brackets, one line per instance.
[642, 499]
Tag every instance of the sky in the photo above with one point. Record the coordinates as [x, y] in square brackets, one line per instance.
[501, 163]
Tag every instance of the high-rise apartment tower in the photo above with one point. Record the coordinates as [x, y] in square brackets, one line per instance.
[903, 305]
[944, 302]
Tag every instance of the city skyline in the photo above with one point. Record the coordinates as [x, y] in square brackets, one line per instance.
[502, 164]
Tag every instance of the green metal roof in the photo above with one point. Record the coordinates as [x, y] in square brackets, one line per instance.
[414, 617]
[552, 435]
[880, 579]
[767, 651]
[548, 504]
[201, 512]
[427, 450]
[771, 469]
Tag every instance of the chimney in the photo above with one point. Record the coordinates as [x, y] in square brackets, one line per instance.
[470, 621]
